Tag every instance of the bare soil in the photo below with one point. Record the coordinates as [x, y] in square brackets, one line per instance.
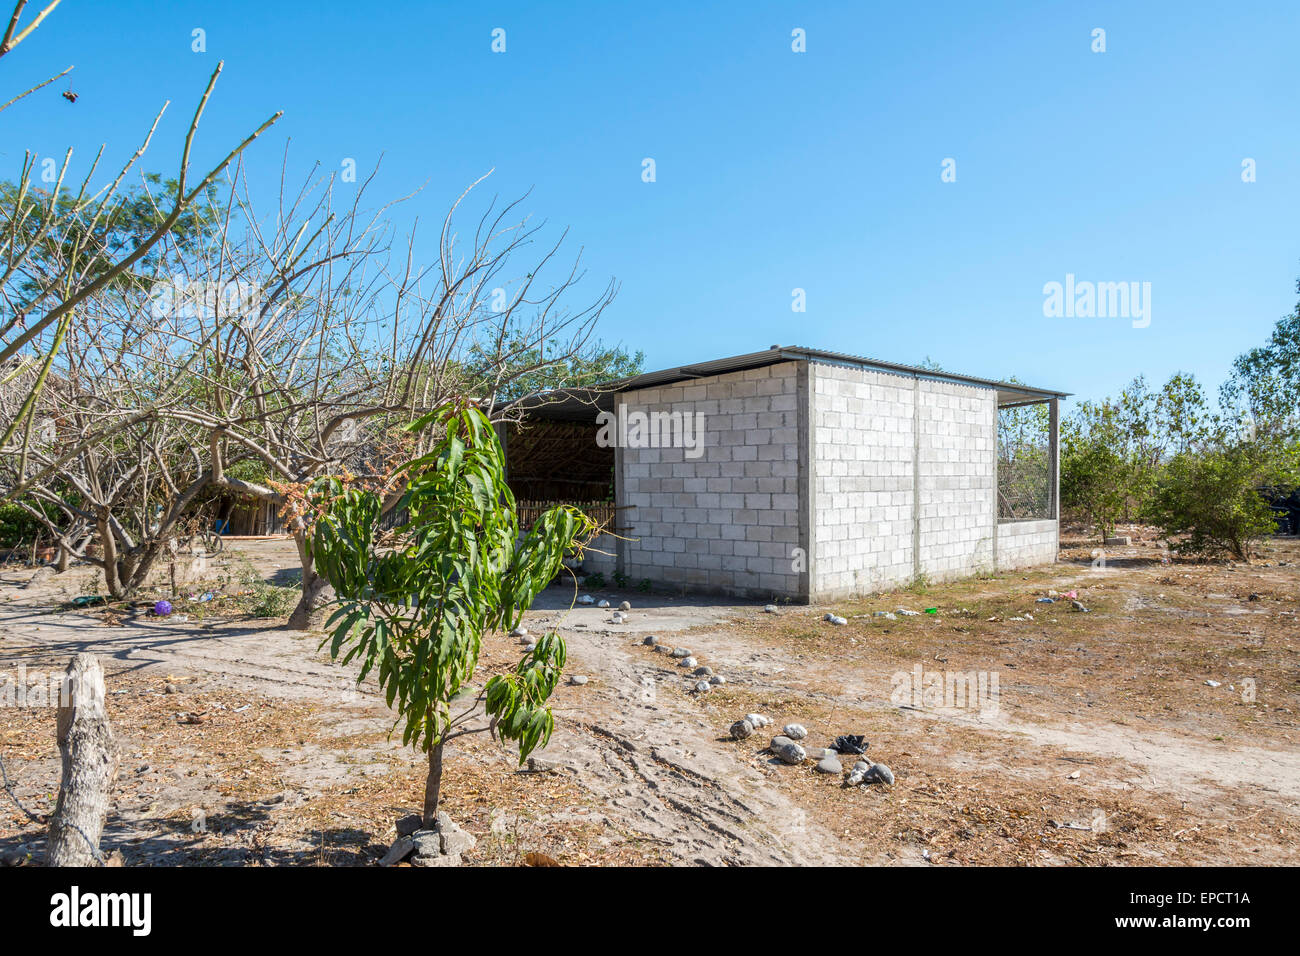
[1106, 743]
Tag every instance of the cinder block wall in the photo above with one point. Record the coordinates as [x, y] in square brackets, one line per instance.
[601, 556]
[863, 426]
[727, 521]
[1024, 544]
[903, 476]
[958, 461]
[817, 482]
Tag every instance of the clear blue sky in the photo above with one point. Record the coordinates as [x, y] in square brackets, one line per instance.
[776, 170]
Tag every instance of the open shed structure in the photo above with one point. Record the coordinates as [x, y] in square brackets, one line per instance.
[795, 473]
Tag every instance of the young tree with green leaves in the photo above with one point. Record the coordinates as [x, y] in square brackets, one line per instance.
[1210, 498]
[415, 614]
[1095, 471]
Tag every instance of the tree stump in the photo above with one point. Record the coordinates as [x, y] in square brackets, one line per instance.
[89, 767]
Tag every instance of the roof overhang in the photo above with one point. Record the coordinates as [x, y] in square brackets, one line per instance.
[582, 404]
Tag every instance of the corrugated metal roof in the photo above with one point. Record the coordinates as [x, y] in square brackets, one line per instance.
[566, 403]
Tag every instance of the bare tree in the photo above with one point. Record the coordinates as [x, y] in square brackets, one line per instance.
[53, 257]
[266, 351]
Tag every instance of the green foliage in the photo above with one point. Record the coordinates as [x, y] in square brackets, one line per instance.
[415, 614]
[1200, 476]
[644, 585]
[525, 369]
[97, 233]
[1264, 388]
[1212, 496]
[594, 582]
[1024, 467]
[1095, 473]
[17, 526]
[271, 600]
[1114, 451]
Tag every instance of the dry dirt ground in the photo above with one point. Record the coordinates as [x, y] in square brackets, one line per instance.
[1159, 727]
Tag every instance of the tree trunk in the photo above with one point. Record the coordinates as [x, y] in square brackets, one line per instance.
[89, 767]
[108, 544]
[316, 594]
[432, 784]
[316, 591]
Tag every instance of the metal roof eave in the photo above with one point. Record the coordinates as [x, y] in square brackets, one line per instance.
[568, 400]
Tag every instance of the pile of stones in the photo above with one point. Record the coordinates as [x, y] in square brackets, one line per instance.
[440, 845]
[790, 747]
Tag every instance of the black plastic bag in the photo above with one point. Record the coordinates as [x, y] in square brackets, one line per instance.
[850, 744]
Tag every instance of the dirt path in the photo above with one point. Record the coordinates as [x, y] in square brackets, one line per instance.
[1181, 770]
[647, 757]
[658, 763]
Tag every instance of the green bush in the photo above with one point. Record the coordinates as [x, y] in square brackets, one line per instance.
[1211, 499]
[17, 527]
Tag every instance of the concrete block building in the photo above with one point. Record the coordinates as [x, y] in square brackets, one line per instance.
[793, 473]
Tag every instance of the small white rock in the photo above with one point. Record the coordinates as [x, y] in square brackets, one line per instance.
[770, 609]
[586, 599]
[717, 679]
[795, 731]
[757, 720]
[687, 662]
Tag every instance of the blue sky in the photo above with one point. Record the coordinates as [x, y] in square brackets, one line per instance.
[775, 170]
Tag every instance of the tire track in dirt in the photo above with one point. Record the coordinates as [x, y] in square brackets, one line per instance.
[660, 768]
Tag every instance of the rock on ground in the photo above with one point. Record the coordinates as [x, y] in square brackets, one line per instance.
[742, 729]
[791, 753]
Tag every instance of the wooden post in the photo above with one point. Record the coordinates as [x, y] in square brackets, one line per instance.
[89, 767]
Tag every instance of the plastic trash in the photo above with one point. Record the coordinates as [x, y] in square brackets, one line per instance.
[850, 744]
[162, 608]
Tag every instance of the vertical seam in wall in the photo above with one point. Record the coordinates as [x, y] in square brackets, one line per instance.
[916, 477]
[997, 420]
[620, 496]
[807, 438]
